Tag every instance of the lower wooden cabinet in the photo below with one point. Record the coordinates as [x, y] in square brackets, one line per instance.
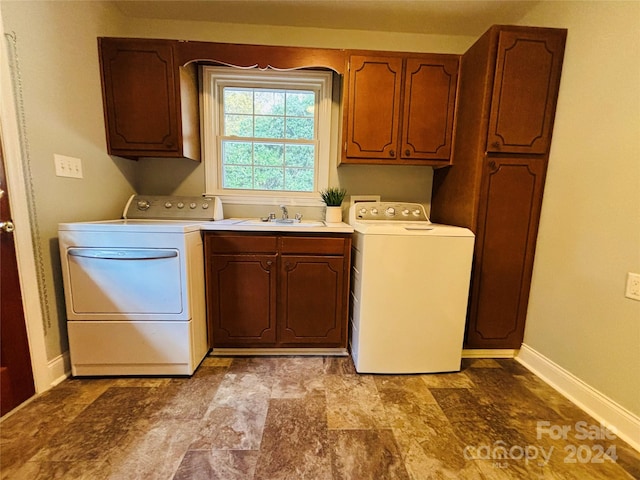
[311, 307]
[242, 299]
[280, 291]
[506, 236]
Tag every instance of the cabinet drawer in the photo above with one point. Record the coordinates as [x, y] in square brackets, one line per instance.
[241, 244]
[312, 245]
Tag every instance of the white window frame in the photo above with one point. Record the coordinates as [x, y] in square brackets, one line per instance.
[213, 79]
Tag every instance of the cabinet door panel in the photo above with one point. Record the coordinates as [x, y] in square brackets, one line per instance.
[430, 89]
[505, 250]
[140, 96]
[525, 91]
[311, 301]
[242, 300]
[373, 107]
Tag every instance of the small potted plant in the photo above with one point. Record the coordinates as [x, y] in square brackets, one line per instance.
[333, 197]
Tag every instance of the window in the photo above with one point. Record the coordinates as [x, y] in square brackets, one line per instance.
[266, 134]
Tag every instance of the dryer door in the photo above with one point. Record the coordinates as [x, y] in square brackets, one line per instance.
[124, 284]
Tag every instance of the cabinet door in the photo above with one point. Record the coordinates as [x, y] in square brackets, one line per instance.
[242, 300]
[505, 245]
[525, 91]
[430, 90]
[140, 96]
[312, 304]
[373, 109]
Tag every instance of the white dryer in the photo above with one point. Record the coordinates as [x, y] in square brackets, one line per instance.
[409, 289]
[134, 288]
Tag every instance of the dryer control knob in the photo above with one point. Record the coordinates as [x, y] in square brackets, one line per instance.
[374, 211]
[416, 212]
[193, 205]
[363, 211]
[405, 212]
[143, 205]
[168, 205]
[390, 212]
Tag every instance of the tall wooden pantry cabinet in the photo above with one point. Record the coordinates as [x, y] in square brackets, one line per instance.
[507, 94]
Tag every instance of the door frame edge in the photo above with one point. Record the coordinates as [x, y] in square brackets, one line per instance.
[25, 254]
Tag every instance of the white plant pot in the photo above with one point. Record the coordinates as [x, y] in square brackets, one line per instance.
[333, 215]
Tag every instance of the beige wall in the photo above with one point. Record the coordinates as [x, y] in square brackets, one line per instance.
[59, 84]
[589, 234]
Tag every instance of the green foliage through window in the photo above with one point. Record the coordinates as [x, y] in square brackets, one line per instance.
[269, 139]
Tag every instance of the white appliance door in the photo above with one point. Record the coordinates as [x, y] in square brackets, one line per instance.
[124, 284]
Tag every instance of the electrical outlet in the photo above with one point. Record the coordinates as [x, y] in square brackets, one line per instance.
[67, 166]
[633, 286]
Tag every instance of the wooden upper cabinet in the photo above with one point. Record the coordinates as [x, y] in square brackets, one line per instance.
[528, 67]
[374, 107]
[150, 103]
[430, 93]
[399, 110]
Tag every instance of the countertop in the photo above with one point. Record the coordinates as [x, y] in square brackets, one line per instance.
[253, 225]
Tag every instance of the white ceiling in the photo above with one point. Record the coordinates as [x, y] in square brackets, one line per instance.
[446, 17]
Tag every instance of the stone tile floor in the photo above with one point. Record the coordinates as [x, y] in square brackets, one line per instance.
[310, 418]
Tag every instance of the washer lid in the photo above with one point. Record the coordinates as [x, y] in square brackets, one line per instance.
[411, 229]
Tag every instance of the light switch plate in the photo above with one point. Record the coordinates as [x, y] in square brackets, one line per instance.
[633, 286]
[67, 166]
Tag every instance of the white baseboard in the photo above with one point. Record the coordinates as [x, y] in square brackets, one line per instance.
[616, 418]
[488, 353]
[59, 368]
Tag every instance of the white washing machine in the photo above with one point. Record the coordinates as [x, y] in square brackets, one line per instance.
[409, 290]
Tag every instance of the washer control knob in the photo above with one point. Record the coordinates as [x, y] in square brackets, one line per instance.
[143, 205]
[168, 205]
[416, 212]
[180, 205]
[192, 205]
[374, 211]
[390, 212]
[405, 212]
[363, 211]
[205, 205]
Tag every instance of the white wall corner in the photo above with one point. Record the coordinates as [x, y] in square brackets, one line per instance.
[615, 417]
[60, 368]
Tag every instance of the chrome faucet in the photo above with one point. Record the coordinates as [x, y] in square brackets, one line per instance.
[285, 212]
